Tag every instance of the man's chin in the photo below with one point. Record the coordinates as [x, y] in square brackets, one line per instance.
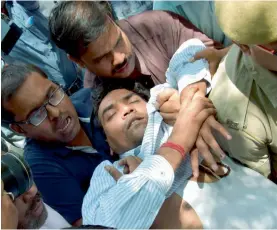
[124, 75]
[128, 72]
[71, 136]
[137, 136]
[32, 222]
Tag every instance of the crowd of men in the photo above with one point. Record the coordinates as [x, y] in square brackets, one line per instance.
[88, 147]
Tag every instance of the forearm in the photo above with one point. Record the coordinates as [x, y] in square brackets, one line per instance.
[174, 157]
[200, 85]
[222, 52]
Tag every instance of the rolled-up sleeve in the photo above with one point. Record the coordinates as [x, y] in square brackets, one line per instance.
[182, 72]
[134, 201]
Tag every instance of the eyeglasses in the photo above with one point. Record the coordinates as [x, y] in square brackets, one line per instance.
[39, 115]
[274, 52]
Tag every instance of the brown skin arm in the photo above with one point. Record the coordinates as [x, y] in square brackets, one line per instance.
[170, 113]
[180, 216]
[213, 56]
[200, 85]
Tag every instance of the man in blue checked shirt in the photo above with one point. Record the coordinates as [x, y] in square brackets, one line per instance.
[60, 148]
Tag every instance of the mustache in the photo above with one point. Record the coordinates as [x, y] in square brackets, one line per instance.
[119, 66]
[36, 199]
[131, 119]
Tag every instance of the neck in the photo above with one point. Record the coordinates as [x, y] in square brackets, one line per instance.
[137, 70]
[136, 73]
[81, 139]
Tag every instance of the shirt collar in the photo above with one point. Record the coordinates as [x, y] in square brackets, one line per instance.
[85, 149]
[140, 64]
[264, 78]
[132, 152]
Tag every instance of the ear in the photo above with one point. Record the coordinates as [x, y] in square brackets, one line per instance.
[16, 128]
[76, 60]
[244, 48]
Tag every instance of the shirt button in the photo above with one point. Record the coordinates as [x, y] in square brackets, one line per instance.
[162, 173]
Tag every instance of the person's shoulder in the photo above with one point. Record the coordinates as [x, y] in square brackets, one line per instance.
[151, 17]
[81, 94]
[41, 152]
[147, 24]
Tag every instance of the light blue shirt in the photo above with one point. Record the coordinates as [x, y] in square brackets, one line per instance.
[199, 13]
[34, 45]
[135, 200]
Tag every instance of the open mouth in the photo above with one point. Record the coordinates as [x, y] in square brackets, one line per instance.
[37, 210]
[122, 67]
[64, 124]
[134, 121]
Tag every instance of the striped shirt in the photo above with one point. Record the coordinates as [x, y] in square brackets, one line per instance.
[135, 199]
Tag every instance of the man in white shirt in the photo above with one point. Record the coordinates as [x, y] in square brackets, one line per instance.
[236, 197]
[29, 211]
[127, 125]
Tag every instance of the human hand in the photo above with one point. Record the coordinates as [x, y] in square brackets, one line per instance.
[206, 141]
[193, 112]
[130, 163]
[9, 213]
[213, 56]
[169, 105]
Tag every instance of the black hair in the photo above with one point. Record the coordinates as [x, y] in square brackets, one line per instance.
[75, 24]
[12, 78]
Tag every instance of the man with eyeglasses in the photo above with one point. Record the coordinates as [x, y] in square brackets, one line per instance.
[61, 147]
[244, 86]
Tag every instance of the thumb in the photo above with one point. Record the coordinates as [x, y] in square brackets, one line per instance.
[201, 54]
[113, 172]
[213, 68]
[165, 95]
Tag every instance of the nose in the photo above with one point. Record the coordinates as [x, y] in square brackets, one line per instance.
[118, 58]
[30, 194]
[126, 110]
[52, 112]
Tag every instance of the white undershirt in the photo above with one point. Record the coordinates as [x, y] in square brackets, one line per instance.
[54, 220]
[243, 199]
